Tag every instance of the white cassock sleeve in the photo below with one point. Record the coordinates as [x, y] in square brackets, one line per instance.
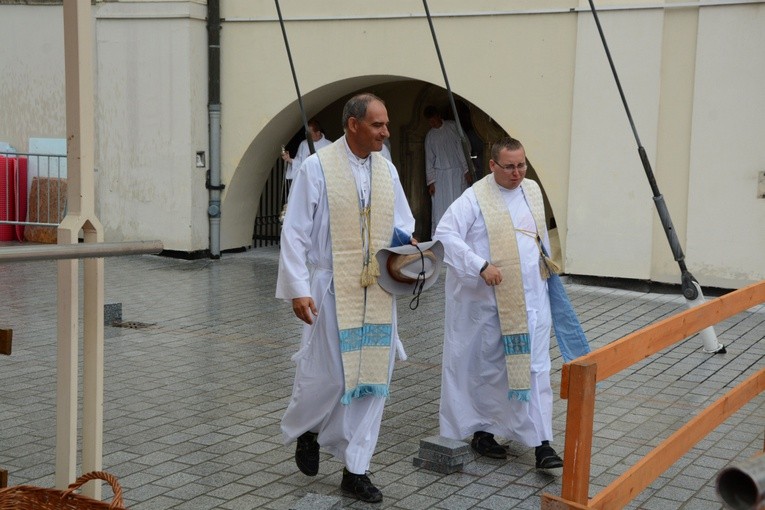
[454, 230]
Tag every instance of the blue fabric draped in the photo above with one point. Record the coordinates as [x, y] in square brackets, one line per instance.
[568, 331]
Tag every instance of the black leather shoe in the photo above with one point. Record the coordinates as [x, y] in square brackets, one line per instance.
[360, 487]
[307, 454]
[485, 444]
[547, 458]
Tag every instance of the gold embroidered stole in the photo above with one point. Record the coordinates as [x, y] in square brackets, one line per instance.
[364, 313]
[533, 194]
[511, 302]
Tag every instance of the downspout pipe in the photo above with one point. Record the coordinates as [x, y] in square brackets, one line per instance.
[213, 182]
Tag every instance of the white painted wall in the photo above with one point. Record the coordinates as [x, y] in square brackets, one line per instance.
[692, 78]
[151, 112]
[31, 74]
[610, 205]
[726, 220]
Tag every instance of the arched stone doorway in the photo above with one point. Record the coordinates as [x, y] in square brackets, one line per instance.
[405, 101]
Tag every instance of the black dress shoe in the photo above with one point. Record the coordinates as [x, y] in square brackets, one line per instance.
[546, 457]
[307, 454]
[360, 487]
[485, 444]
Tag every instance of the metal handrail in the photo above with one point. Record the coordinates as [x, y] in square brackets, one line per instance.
[78, 251]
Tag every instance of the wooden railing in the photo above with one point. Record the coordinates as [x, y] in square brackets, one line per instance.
[578, 380]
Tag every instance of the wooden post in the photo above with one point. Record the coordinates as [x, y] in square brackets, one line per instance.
[551, 502]
[80, 142]
[6, 337]
[3, 478]
[579, 427]
[633, 481]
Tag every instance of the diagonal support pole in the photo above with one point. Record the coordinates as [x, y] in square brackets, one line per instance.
[689, 285]
[463, 138]
[294, 79]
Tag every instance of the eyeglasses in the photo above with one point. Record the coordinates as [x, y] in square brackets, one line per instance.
[520, 166]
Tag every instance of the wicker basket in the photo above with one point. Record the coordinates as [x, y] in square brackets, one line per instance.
[29, 497]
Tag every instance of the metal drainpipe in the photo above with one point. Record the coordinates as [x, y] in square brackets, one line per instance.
[213, 174]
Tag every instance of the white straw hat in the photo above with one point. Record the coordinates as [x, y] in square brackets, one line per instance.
[405, 268]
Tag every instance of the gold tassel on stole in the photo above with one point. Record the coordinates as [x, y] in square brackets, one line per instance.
[370, 273]
[547, 266]
[371, 269]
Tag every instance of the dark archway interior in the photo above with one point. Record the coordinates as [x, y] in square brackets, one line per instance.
[406, 101]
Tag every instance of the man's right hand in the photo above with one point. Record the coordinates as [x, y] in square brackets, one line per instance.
[305, 309]
[432, 188]
[492, 275]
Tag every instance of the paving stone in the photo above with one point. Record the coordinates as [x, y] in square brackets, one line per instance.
[433, 456]
[112, 313]
[192, 405]
[439, 467]
[317, 502]
[442, 455]
[444, 445]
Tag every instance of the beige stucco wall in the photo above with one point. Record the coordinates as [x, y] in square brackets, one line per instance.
[726, 220]
[151, 91]
[32, 83]
[537, 67]
[610, 207]
[528, 91]
[690, 78]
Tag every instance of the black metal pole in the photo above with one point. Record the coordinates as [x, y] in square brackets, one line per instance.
[688, 284]
[689, 290]
[294, 78]
[463, 138]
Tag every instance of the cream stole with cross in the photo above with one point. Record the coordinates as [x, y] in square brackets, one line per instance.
[364, 309]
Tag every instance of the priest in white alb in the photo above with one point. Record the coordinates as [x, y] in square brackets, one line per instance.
[346, 204]
[446, 169]
[496, 361]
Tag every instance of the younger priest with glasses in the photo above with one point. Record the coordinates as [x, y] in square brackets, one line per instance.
[496, 360]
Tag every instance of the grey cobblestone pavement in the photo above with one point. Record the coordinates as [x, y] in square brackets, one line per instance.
[193, 398]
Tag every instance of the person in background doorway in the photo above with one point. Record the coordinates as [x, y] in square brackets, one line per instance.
[385, 151]
[304, 150]
[446, 170]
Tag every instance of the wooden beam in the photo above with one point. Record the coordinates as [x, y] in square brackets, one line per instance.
[6, 339]
[622, 490]
[3, 478]
[550, 502]
[628, 350]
